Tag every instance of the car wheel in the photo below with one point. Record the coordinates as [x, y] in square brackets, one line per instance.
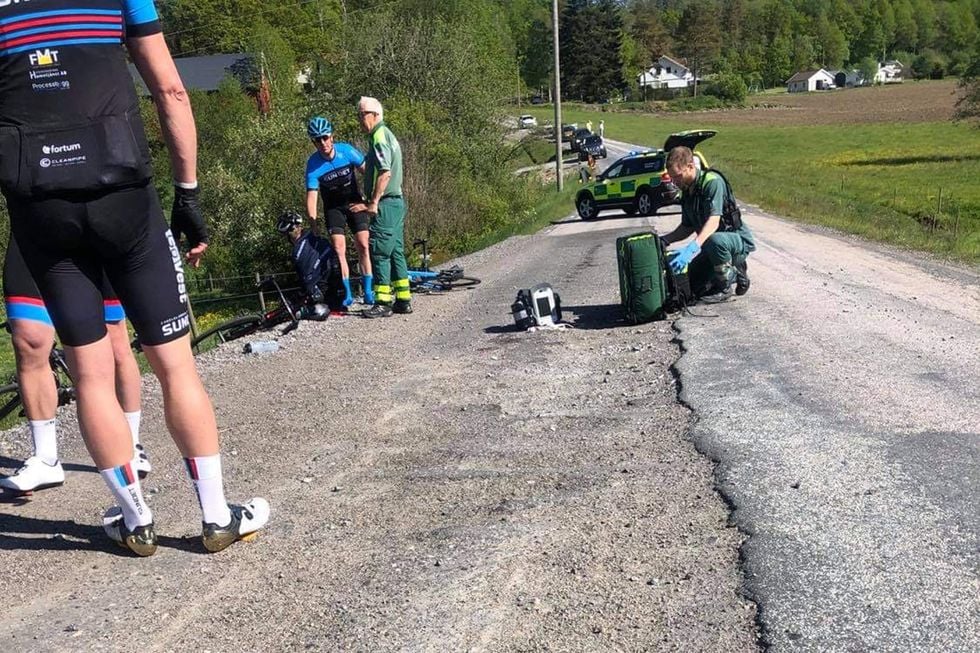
[586, 206]
[604, 155]
[645, 204]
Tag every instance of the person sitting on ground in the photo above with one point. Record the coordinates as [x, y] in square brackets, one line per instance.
[316, 261]
[709, 211]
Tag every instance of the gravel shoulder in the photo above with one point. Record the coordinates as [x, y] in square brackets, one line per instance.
[438, 482]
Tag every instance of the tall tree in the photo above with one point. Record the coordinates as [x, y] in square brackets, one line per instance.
[699, 38]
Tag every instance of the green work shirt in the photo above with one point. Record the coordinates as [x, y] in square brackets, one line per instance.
[705, 199]
[384, 154]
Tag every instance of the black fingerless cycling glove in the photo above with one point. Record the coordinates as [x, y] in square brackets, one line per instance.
[186, 217]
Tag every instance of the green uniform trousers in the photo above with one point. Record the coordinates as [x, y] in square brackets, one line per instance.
[712, 268]
[387, 237]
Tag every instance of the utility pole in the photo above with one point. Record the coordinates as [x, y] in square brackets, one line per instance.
[558, 159]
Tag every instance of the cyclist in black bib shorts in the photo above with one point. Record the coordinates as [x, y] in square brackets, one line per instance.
[32, 335]
[75, 172]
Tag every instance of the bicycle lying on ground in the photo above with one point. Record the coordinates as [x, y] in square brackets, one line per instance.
[246, 325]
[10, 399]
[424, 280]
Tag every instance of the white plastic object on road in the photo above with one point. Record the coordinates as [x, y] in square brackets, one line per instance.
[262, 347]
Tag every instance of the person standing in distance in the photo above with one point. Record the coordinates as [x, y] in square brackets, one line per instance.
[330, 174]
[32, 335]
[75, 172]
[383, 187]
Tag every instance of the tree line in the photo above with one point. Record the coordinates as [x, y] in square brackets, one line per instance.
[606, 44]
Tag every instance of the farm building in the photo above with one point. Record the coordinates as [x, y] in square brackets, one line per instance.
[810, 80]
[889, 72]
[667, 73]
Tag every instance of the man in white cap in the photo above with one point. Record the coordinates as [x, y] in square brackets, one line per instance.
[383, 188]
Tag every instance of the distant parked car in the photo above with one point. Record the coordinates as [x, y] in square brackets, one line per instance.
[567, 131]
[592, 145]
[537, 99]
[526, 121]
[579, 137]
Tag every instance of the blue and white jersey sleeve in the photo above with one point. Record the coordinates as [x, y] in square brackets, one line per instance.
[351, 153]
[141, 18]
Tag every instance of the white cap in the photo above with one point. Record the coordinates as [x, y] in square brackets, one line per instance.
[370, 104]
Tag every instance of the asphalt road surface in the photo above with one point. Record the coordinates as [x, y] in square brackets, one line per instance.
[442, 482]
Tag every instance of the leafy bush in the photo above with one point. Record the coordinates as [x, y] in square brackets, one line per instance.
[728, 87]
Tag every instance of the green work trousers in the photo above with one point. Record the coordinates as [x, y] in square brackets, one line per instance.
[387, 237]
[712, 268]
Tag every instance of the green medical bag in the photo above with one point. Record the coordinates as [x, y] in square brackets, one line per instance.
[642, 277]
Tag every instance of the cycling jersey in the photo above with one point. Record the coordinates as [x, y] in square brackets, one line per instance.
[75, 167]
[335, 178]
[315, 259]
[69, 118]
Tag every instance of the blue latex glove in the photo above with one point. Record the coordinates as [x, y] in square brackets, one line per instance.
[684, 257]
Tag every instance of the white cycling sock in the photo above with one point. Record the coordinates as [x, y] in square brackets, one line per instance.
[133, 419]
[125, 487]
[205, 472]
[44, 432]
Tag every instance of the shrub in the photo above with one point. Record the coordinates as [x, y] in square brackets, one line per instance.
[728, 87]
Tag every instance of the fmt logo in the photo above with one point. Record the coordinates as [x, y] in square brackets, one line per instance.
[46, 57]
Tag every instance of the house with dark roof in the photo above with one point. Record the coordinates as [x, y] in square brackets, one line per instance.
[810, 80]
[207, 73]
[667, 73]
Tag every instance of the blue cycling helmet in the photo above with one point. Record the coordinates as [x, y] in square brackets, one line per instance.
[319, 126]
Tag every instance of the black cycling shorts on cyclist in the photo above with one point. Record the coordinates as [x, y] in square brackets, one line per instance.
[75, 167]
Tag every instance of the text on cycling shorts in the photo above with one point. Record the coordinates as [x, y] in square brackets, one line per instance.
[337, 184]
[75, 167]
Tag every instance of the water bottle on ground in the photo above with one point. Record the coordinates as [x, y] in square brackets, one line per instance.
[261, 347]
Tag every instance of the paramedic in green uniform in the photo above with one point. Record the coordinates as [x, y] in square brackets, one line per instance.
[722, 241]
[383, 187]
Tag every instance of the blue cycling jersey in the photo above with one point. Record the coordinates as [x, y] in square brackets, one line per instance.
[335, 178]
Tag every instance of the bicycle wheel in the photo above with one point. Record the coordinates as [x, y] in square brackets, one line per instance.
[459, 283]
[9, 399]
[226, 331]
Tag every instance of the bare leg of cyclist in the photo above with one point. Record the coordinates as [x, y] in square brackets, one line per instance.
[128, 390]
[109, 442]
[339, 242]
[362, 241]
[32, 341]
[190, 419]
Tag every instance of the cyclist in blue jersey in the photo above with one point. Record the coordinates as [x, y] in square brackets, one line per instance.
[330, 174]
[75, 172]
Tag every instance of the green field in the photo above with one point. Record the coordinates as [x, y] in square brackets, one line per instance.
[911, 185]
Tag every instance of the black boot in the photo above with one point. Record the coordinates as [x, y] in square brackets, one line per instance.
[741, 275]
[403, 306]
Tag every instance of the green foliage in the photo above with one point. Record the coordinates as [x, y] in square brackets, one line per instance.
[728, 87]
[930, 65]
[591, 37]
[968, 105]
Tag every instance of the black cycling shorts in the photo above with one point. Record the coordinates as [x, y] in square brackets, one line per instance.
[23, 300]
[338, 217]
[67, 243]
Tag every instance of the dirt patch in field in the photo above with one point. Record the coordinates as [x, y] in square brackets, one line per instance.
[908, 102]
